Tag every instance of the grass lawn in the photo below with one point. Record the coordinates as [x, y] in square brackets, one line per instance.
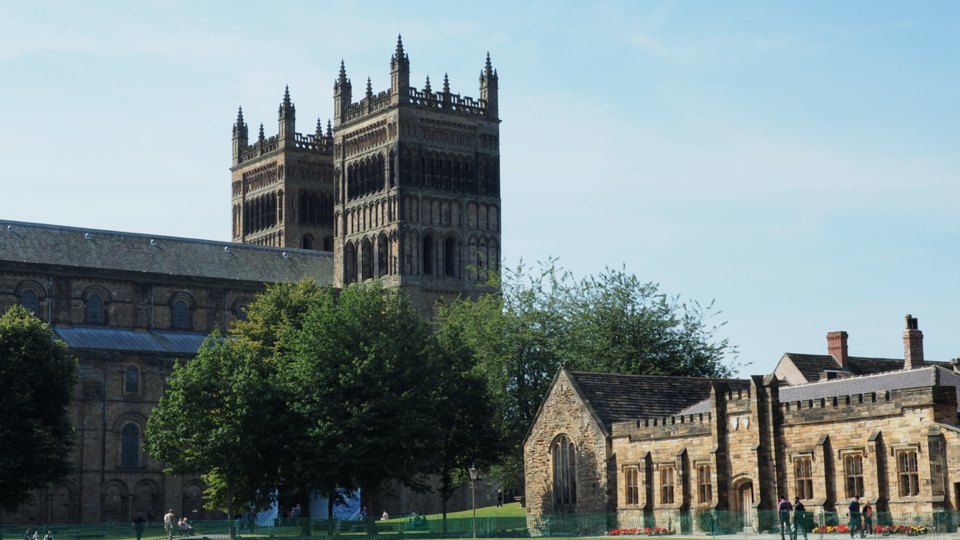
[508, 510]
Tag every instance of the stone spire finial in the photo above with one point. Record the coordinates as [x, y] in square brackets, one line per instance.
[446, 84]
[319, 132]
[342, 80]
[369, 89]
[399, 46]
[488, 69]
[286, 97]
[426, 86]
[261, 131]
[240, 117]
[329, 128]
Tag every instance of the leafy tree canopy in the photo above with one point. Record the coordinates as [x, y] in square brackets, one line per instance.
[365, 375]
[37, 377]
[544, 318]
[212, 422]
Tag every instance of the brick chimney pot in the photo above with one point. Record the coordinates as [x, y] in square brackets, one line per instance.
[912, 344]
[837, 347]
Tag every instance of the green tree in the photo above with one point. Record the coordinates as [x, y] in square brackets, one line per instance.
[622, 325]
[212, 423]
[278, 313]
[542, 319]
[517, 337]
[363, 368]
[37, 377]
[465, 418]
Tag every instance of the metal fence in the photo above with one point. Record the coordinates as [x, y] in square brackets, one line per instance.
[694, 523]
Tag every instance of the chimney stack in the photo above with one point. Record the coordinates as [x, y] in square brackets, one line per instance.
[837, 348]
[912, 345]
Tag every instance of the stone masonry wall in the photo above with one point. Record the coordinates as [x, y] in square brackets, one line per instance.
[564, 413]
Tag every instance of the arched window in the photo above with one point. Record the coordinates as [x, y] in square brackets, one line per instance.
[350, 264]
[94, 313]
[130, 446]
[241, 313]
[29, 301]
[564, 471]
[307, 242]
[328, 243]
[428, 254]
[449, 257]
[132, 380]
[181, 315]
[366, 254]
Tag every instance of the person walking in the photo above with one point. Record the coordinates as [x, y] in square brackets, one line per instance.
[49, 536]
[784, 509]
[138, 524]
[499, 498]
[799, 519]
[853, 512]
[26, 535]
[867, 518]
[168, 524]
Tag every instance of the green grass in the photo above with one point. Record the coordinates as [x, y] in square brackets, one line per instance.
[510, 510]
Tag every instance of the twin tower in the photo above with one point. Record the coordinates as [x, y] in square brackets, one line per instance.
[404, 186]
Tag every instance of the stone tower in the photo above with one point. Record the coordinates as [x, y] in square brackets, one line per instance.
[417, 176]
[283, 191]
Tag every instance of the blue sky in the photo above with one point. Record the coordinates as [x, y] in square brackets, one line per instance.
[796, 162]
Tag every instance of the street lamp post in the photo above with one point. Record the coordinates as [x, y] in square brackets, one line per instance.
[473, 495]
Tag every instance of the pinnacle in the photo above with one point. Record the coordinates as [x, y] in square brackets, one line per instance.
[240, 117]
[369, 88]
[329, 128]
[446, 84]
[261, 132]
[399, 46]
[426, 86]
[319, 127]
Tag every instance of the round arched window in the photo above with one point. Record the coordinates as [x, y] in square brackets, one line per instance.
[94, 313]
[29, 301]
[181, 315]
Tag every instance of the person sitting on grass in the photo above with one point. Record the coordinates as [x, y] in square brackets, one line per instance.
[185, 528]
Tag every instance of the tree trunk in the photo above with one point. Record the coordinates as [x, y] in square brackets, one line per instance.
[330, 521]
[230, 527]
[303, 499]
[444, 496]
[371, 510]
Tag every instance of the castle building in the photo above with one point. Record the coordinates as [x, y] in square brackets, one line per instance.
[822, 428]
[404, 188]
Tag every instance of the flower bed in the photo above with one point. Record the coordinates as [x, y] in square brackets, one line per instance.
[843, 529]
[901, 529]
[655, 531]
[877, 529]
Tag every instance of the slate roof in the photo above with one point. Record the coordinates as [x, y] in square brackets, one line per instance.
[912, 378]
[109, 250]
[616, 398]
[811, 365]
[85, 337]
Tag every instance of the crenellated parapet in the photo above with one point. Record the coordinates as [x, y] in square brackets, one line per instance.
[401, 94]
[681, 425]
[885, 403]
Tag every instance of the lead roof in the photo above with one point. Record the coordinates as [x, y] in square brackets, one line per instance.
[54, 245]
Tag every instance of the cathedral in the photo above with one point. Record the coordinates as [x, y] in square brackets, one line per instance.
[404, 187]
